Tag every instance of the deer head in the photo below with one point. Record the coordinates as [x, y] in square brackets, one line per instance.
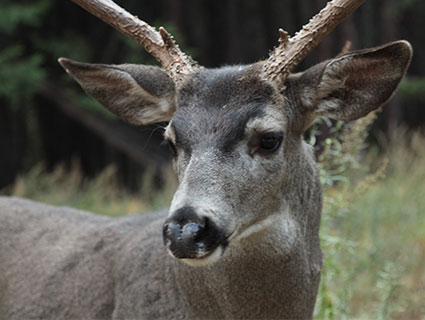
[236, 132]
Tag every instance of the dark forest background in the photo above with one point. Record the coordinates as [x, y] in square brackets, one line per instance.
[46, 118]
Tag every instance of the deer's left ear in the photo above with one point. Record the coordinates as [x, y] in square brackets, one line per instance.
[350, 86]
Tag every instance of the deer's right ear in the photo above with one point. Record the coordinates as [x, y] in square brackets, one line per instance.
[135, 93]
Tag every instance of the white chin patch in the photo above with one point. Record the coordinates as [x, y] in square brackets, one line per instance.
[262, 225]
[209, 259]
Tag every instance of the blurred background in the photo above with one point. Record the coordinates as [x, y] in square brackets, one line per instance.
[60, 146]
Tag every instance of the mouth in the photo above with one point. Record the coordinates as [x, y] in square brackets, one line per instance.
[201, 257]
[207, 259]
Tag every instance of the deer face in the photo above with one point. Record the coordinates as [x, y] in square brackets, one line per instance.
[232, 146]
[237, 139]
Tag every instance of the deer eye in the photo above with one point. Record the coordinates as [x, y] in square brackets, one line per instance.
[270, 141]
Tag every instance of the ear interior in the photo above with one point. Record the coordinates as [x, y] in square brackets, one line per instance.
[137, 94]
[352, 85]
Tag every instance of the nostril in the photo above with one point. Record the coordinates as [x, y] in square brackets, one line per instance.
[171, 229]
[203, 230]
[171, 232]
[191, 230]
[189, 235]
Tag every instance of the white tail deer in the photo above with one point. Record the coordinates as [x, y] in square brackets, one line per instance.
[240, 239]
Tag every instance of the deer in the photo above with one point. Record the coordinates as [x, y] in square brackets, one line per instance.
[241, 237]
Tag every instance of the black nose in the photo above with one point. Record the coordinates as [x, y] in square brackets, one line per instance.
[188, 235]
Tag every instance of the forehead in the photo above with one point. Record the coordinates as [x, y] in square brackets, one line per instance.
[215, 106]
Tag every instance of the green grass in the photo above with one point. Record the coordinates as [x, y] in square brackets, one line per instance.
[373, 237]
[373, 228]
[375, 253]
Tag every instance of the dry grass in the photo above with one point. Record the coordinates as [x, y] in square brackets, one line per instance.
[102, 194]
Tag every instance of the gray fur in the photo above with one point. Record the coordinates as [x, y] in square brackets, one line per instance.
[137, 94]
[59, 263]
[352, 85]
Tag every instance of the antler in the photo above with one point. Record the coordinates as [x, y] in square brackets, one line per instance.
[160, 45]
[291, 50]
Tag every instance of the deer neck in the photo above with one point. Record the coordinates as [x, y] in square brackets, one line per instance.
[271, 261]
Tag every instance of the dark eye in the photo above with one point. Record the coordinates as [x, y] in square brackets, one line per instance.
[270, 141]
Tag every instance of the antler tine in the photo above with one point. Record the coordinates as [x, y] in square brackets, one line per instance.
[291, 50]
[160, 45]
